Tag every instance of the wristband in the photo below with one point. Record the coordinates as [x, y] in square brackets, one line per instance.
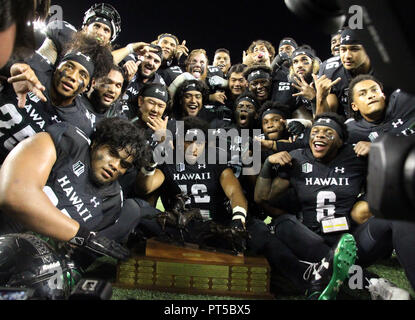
[149, 170]
[239, 213]
[266, 172]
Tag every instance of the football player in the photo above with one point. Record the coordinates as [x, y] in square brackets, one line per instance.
[259, 81]
[222, 60]
[207, 184]
[335, 74]
[70, 182]
[154, 106]
[172, 52]
[335, 43]
[260, 52]
[145, 72]
[237, 84]
[106, 92]
[197, 64]
[190, 99]
[101, 22]
[299, 92]
[328, 178]
[58, 92]
[374, 114]
[285, 50]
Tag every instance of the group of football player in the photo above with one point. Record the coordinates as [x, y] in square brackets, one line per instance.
[265, 157]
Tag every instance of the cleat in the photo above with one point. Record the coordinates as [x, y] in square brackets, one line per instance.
[329, 274]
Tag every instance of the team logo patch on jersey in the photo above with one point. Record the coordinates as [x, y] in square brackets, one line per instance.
[78, 168]
[373, 136]
[180, 167]
[307, 168]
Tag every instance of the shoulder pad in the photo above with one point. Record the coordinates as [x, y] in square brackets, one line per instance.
[330, 66]
[60, 32]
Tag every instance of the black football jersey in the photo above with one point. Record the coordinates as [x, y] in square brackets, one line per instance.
[69, 185]
[201, 183]
[169, 74]
[399, 119]
[77, 113]
[214, 71]
[325, 190]
[60, 32]
[282, 92]
[333, 68]
[17, 124]
[127, 106]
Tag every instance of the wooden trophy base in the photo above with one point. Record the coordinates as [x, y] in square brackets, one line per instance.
[187, 269]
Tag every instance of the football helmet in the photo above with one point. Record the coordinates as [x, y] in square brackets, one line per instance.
[107, 11]
[26, 261]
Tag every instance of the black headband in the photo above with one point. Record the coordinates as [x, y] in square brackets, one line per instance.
[350, 36]
[102, 20]
[156, 92]
[273, 111]
[288, 42]
[301, 51]
[190, 87]
[258, 74]
[246, 98]
[168, 35]
[159, 50]
[82, 59]
[327, 122]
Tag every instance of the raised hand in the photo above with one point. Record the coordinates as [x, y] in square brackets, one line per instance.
[24, 80]
[323, 85]
[306, 90]
[182, 50]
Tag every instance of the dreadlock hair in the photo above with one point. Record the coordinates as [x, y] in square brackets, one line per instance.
[100, 55]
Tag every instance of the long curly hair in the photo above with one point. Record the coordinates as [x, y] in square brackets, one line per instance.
[100, 55]
[119, 134]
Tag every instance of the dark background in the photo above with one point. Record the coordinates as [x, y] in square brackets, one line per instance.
[206, 24]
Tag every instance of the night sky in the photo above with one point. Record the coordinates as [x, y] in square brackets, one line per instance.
[208, 24]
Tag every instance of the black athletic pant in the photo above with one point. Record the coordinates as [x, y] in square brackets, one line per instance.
[375, 240]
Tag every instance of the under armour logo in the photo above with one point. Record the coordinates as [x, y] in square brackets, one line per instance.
[326, 120]
[163, 93]
[202, 166]
[346, 38]
[194, 132]
[338, 170]
[83, 55]
[255, 73]
[95, 202]
[397, 123]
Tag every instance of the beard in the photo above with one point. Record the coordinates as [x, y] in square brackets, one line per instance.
[97, 104]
